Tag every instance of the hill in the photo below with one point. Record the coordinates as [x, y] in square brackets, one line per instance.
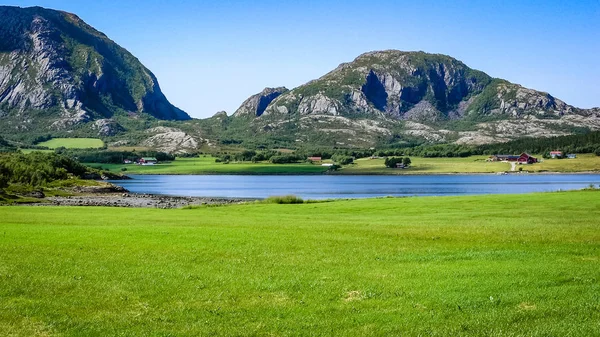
[390, 96]
[58, 74]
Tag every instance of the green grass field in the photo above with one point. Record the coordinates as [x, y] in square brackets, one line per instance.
[474, 164]
[514, 265]
[207, 165]
[73, 143]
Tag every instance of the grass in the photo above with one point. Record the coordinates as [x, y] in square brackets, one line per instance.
[474, 164]
[498, 265]
[207, 165]
[73, 143]
[583, 162]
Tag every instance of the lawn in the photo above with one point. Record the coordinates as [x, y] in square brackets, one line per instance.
[73, 143]
[512, 265]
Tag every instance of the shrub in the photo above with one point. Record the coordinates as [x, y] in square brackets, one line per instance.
[343, 160]
[286, 199]
[392, 161]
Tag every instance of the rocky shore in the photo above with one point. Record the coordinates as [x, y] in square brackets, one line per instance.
[137, 201]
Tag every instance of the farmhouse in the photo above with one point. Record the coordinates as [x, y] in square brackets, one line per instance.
[314, 158]
[148, 161]
[127, 161]
[556, 154]
[503, 157]
[524, 158]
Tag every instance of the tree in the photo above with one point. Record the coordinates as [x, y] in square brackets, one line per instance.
[406, 161]
[392, 162]
[343, 160]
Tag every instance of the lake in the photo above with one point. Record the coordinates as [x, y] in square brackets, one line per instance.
[336, 186]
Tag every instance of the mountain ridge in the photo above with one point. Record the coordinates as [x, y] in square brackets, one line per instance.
[53, 60]
[428, 94]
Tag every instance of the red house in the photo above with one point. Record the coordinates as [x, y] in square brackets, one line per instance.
[526, 158]
[314, 158]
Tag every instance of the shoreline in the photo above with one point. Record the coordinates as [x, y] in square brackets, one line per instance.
[362, 173]
[134, 200]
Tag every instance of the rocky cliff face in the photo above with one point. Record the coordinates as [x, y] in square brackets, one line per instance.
[255, 105]
[52, 64]
[429, 90]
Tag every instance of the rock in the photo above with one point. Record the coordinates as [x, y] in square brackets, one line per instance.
[107, 127]
[171, 141]
[35, 194]
[255, 105]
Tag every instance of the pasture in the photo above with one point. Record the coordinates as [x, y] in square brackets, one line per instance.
[73, 143]
[498, 265]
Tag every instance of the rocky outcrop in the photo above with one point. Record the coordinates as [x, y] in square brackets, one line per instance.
[170, 140]
[53, 62]
[106, 127]
[256, 104]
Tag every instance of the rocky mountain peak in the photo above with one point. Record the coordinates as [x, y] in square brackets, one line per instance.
[51, 62]
[256, 104]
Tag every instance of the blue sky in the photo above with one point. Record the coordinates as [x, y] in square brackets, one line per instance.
[211, 55]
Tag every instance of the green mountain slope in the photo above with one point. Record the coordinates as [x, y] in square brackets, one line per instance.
[58, 73]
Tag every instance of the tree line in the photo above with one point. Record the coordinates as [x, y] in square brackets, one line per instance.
[38, 169]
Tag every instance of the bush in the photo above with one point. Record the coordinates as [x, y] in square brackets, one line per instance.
[343, 160]
[286, 199]
[285, 159]
[392, 161]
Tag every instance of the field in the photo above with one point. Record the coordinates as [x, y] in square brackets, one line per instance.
[474, 164]
[583, 162]
[207, 165]
[73, 143]
[514, 265]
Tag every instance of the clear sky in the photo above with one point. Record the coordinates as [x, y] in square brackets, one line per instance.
[211, 55]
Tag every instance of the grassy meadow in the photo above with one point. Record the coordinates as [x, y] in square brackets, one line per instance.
[473, 164]
[497, 265]
[207, 165]
[73, 143]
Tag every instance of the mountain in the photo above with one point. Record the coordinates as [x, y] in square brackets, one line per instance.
[394, 94]
[58, 73]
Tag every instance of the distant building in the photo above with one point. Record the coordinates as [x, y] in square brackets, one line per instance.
[503, 157]
[526, 158]
[556, 154]
[400, 165]
[148, 161]
[571, 156]
[127, 161]
[315, 158]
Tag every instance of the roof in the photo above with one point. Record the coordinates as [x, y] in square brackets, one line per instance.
[149, 159]
[555, 152]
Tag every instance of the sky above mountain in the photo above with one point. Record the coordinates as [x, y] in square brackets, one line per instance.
[211, 55]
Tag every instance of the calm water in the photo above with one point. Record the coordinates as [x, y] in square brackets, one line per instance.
[326, 186]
